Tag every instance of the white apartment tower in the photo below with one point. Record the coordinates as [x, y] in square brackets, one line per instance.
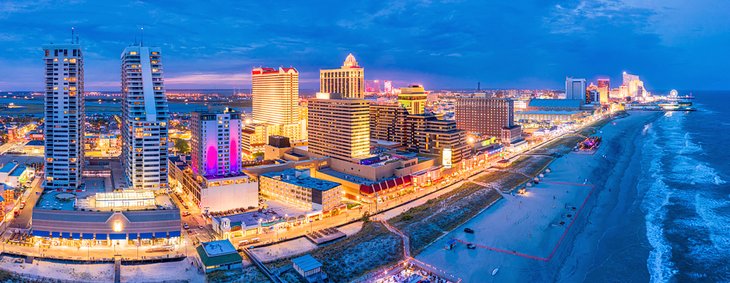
[144, 118]
[575, 89]
[216, 143]
[64, 112]
[275, 94]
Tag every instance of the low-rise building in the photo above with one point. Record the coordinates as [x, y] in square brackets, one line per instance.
[309, 268]
[214, 193]
[298, 188]
[218, 255]
[14, 175]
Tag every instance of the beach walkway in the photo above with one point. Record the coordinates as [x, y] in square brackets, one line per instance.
[407, 259]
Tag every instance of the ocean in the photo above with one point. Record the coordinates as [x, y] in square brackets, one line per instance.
[662, 213]
[687, 202]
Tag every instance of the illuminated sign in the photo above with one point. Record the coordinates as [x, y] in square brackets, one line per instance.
[446, 158]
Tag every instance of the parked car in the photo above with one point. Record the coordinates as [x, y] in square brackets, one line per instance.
[469, 230]
[186, 226]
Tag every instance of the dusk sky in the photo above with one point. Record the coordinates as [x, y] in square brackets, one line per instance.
[441, 44]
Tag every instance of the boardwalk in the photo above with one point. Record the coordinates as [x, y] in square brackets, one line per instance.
[410, 260]
[273, 277]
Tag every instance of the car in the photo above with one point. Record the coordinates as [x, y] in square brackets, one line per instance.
[185, 213]
[469, 230]
[186, 226]
[200, 226]
[22, 205]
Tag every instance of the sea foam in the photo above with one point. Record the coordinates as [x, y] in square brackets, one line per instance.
[656, 198]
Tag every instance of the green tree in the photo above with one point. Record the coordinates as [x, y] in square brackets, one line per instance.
[182, 146]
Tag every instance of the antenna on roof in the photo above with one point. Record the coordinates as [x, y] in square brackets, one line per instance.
[141, 41]
[72, 34]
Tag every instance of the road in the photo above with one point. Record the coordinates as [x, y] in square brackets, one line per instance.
[30, 197]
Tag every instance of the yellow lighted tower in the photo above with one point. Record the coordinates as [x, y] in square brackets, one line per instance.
[413, 98]
[348, 80]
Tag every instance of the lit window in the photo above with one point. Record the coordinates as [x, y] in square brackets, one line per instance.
[133, 53]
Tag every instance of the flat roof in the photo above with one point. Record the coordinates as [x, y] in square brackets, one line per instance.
[301, 178]
[35, 143]
[18, 171]
[543, 112]
[347, 177]
[8, 167]
[220, 259]
[248, 219]
[306, 262]
[575, 103]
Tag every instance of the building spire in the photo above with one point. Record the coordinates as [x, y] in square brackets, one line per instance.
[350, 61]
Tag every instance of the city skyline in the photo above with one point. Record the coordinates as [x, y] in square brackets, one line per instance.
[547, 43]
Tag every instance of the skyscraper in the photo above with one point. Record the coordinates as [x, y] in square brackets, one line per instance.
[216, 143]
[634, 85]
[575, 89]
[413, 98]
[64, 112]
[339, 127]
[348, 80]
[604, 88]
[486, 116]
[275, 95]
[144, 118]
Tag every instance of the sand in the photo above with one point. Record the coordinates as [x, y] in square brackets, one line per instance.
[522, 235]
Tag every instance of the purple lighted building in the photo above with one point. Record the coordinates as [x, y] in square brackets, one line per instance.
[216, 143]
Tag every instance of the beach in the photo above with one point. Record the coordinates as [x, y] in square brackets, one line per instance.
[540, 236]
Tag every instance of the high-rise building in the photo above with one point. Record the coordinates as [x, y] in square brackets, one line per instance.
[575, 89]
[592, 95]
[634, 85]
[348, 80]
[387, 122]
[388, 87]
[144, 118]
[64, 112]
[413, 98]
[275, 95]
[486, 116]
[431, 134]
[216, 143]
[604, 88]
[339, 127]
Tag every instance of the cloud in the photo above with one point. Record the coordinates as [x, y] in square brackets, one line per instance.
[531, 43]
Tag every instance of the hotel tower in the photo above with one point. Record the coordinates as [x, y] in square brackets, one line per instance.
[275, 95]
[144, 118]
[348, 80]
[339, 127]
[64, 112]
[216, 143]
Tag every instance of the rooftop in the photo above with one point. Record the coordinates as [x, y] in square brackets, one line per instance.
[573, 103]
[218, 253]
[18, 171]
[35, 143]
[8, 167]
[250, 219]
[301, 178]
[306, 262]
[548, 112]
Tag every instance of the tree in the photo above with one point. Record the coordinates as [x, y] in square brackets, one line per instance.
[182, 146]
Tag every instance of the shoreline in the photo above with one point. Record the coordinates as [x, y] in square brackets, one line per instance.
[564, 244]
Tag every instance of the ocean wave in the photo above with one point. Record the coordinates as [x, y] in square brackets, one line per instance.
[687, 170]
[716, 224]
[656, 198]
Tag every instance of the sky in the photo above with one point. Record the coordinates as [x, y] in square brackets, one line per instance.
[440, 44]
